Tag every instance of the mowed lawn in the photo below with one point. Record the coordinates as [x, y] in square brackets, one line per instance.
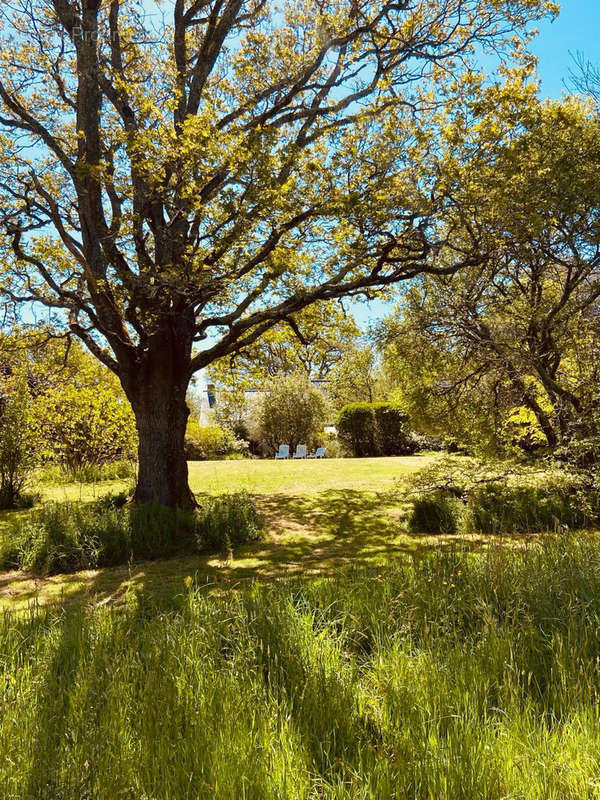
[318, 517]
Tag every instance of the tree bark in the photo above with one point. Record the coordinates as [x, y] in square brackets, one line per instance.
[161, 415]
[157, 391]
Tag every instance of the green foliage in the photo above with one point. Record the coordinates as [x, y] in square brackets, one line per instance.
[90, 473]
[498, 508]
[87, 426]
[66, 537]
[328, 334]
[291, 411]
[206, 442]
[19, 439]
[356, 378]
[460, 675]
[504, 356]
[356, 428]
[374, 429]
[226, 522]
[434, 513]
[504, 497]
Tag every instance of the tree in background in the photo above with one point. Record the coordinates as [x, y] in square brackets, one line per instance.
[19, 437]
[290, 411]
[356, 377]
[204, 174]
[312, 342]
[513, 343]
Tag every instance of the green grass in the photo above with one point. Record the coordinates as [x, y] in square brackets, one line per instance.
[318, 517]
[267, 476]
[457, 676]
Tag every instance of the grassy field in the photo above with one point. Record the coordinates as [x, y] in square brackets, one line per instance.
[319, 517]
[460, 676]
[365, 664]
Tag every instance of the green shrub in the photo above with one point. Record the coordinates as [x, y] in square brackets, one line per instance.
[19, 439]
[87, 425]
[66, 537]
[434, 513]
[497, 508]
[374, 429]
[205, 442]
[225, 522]
[356, 429]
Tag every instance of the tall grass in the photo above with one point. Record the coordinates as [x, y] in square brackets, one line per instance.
[66, 537]
[456, 676]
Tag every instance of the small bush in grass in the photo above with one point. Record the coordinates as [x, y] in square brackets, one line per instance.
[497, 508]
[434, 513]
[66, 537]
[225, 522]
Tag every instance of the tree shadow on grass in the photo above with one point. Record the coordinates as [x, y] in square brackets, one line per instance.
[304, 534]
[52, 708]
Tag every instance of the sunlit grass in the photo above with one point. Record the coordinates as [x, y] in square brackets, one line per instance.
[319, 516]
[459, 675]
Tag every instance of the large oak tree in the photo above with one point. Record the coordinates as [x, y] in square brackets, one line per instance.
[177, 177]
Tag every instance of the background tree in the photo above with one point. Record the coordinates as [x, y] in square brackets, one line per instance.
[201, 175]
[313, 341]
[356, 377]
[520, 330]
[291, 411]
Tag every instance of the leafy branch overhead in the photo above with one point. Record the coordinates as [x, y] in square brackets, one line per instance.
[224, 164]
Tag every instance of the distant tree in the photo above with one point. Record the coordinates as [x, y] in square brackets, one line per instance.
[202, 171]
[520, 331]
[355, 378]
[291, 411]
[312, 341]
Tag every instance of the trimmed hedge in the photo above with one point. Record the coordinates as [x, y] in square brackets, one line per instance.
[375, 429]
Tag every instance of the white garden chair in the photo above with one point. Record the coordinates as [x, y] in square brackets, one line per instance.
[300, 451]
[319, 453]
[283, 452]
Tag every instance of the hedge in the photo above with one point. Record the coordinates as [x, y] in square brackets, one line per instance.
[374, 429]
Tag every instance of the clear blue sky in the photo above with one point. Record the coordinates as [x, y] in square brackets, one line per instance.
[576, 29]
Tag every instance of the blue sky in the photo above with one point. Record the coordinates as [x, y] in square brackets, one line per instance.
[576, 29]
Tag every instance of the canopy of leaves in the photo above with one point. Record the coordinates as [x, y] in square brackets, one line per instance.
[210, 167]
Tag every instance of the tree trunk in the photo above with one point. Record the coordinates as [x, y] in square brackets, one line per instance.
[161, 415]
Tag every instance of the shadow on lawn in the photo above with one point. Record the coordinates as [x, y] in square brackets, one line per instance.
[317, 533]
